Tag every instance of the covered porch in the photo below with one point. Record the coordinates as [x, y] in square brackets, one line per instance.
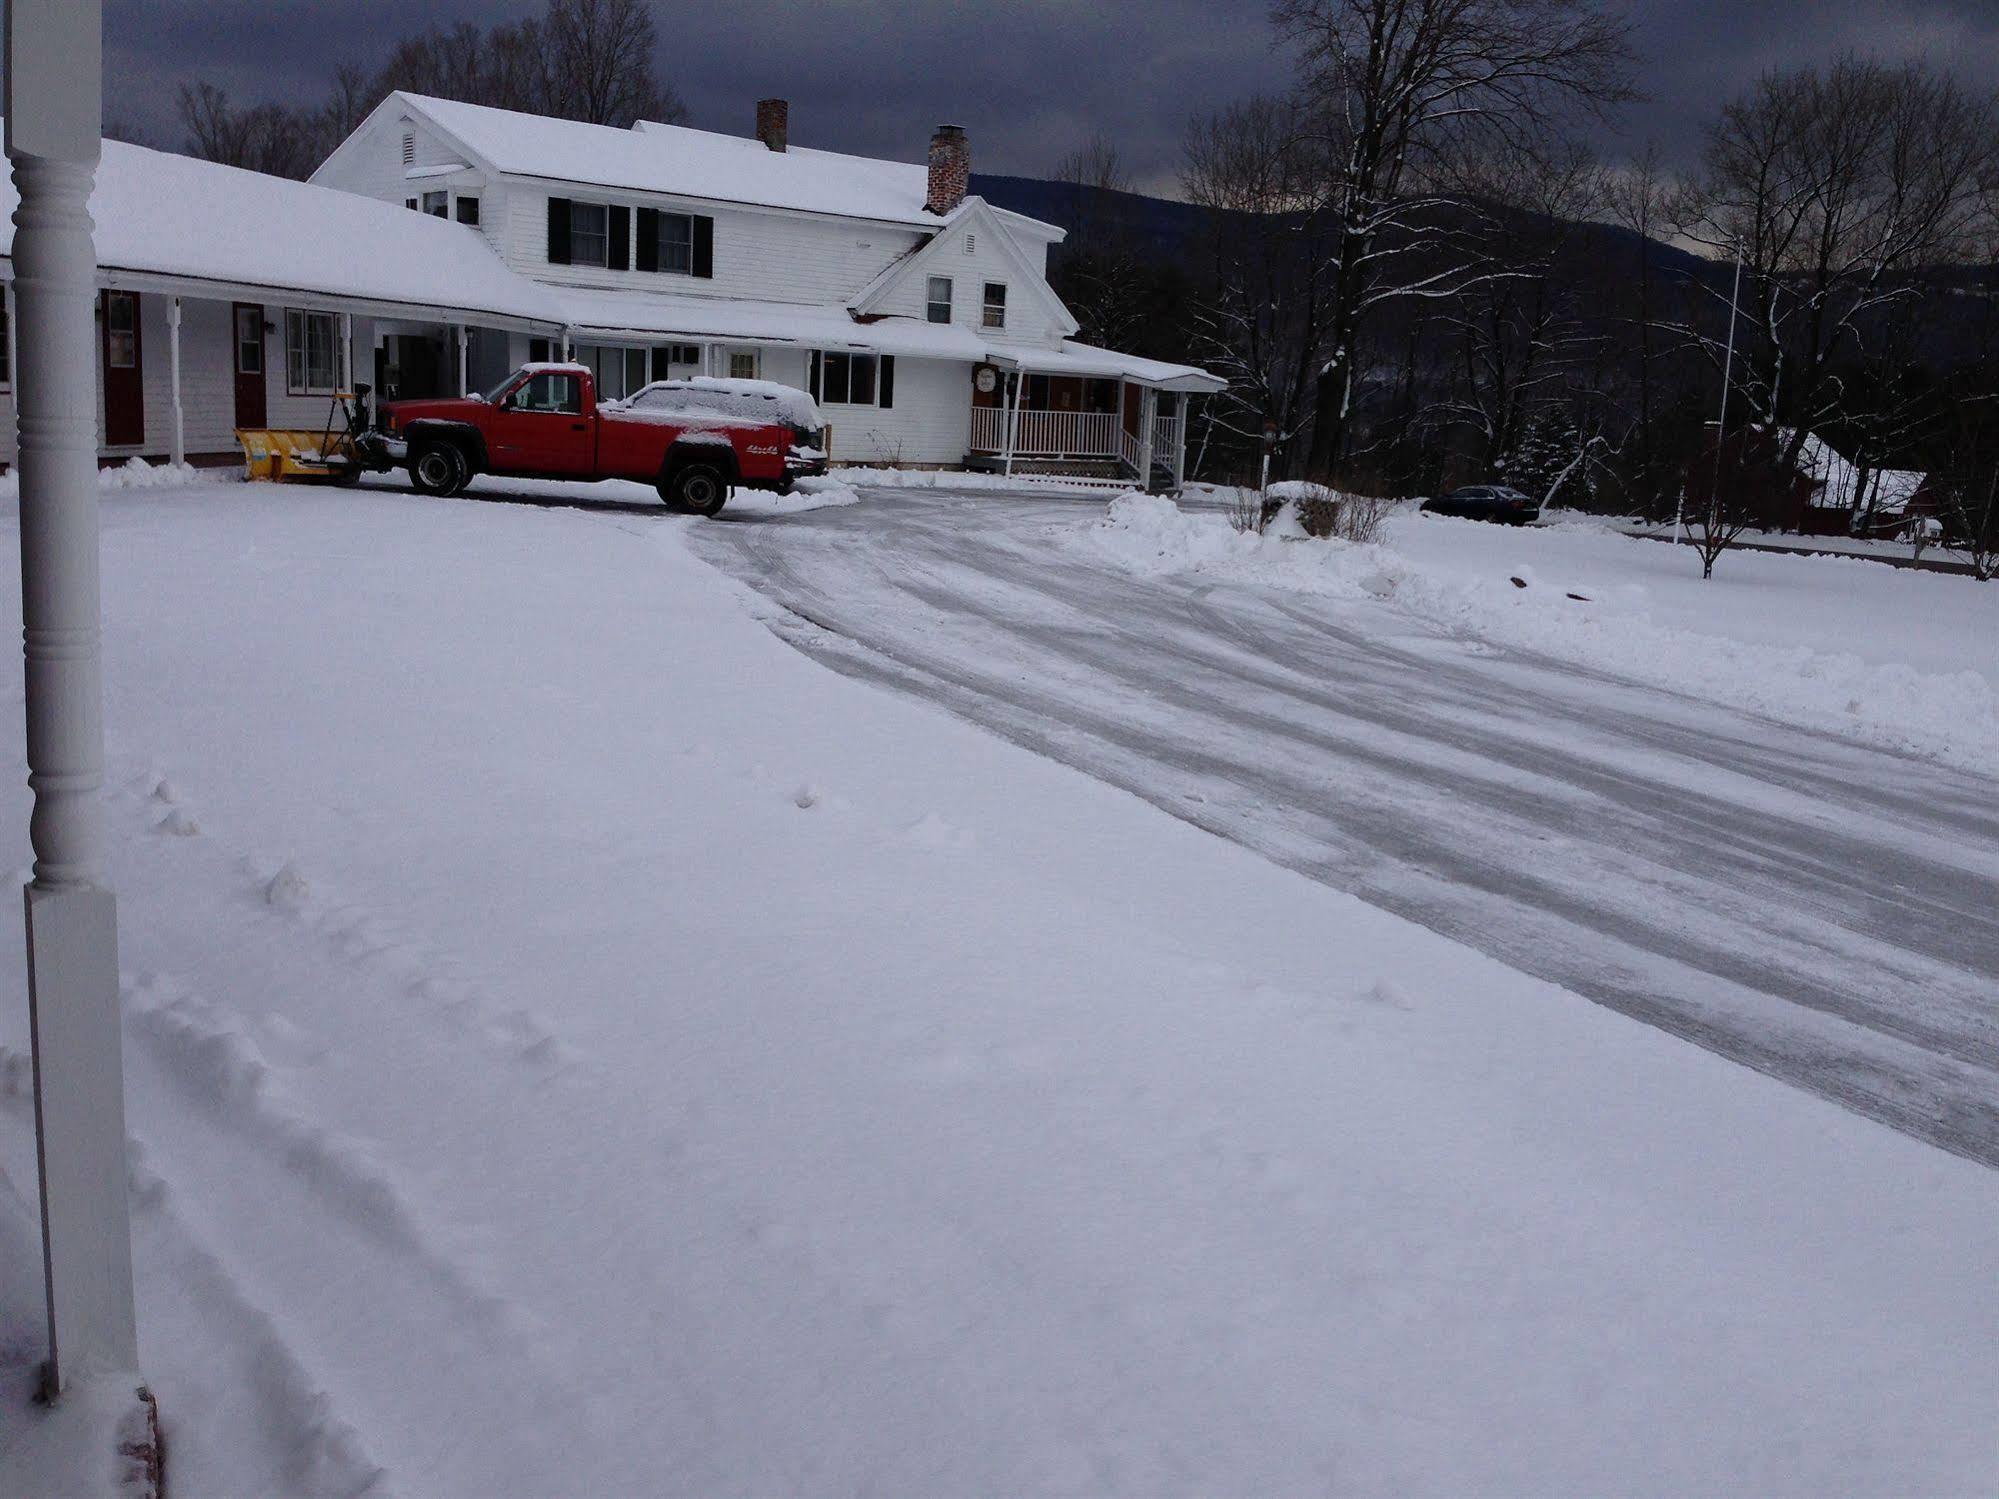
[1084, 413]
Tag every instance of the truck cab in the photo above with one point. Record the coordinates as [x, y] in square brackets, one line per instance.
[543, 422]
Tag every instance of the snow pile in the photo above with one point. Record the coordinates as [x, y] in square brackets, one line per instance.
[1899, 659]
[932, 478]
[806, 494]
[136, 473]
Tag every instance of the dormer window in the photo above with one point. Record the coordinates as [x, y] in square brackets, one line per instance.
[994, 312]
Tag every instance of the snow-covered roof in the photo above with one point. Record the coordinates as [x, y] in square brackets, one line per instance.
[808, 324]
[177, 218]
[1838, 478]
[683, 162]
[1073, 358]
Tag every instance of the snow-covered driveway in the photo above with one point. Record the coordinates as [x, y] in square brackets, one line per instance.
[1820, 910]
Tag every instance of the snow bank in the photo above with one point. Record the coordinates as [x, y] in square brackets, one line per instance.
[807, 494]
[925, 478]
[1900, 659]
[136, 473]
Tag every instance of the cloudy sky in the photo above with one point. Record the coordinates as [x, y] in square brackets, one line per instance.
[1029, 78]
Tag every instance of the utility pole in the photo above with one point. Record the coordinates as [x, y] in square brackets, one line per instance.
[54, 104]
[1721, 422]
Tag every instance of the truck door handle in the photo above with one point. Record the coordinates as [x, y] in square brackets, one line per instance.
[579, 426]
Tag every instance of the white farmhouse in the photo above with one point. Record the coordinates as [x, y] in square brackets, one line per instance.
[231, 299]
[921, 318]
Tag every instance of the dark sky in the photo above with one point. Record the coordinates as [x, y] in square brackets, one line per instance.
[1029, 78]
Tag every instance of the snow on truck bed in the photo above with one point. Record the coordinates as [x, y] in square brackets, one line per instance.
[578, 1045]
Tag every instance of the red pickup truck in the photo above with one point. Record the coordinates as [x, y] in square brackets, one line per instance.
[543, 422]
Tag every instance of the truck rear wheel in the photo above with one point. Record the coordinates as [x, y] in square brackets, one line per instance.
[439, 468]
[696, 489]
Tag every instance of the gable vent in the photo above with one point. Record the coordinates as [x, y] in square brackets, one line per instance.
[971, 244]
[409, 149]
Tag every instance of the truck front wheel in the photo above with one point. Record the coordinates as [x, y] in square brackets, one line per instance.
[696, 489]
[438, 468]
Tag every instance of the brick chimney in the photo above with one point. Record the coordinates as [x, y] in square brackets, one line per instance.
[950, 169]
[774, 123]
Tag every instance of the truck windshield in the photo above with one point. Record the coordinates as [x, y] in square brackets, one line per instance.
[492, 397]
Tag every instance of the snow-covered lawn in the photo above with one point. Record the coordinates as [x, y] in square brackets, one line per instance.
[578, 1045]
[1905, 659]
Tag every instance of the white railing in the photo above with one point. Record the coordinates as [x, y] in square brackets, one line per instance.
[1047, 434]
[1165, 440]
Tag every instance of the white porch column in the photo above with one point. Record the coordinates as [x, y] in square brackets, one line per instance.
[54, 70]
[347, 347]
[1148, 414]
[1183, 401]
[1013, 421]
[464, 355]
[179, 450]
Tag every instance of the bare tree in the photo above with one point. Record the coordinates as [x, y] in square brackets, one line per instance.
[589, 60]
[1104, 280]
[1393, 91]
[1517, 328]
[1265, 319]
[599, 63]
[1836, 188]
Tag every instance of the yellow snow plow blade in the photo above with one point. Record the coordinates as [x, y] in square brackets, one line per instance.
[272, 453]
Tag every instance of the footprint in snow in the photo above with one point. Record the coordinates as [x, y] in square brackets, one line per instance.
[178, 823]
[287, 890]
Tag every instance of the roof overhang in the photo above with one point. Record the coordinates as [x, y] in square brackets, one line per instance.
[203, 288]
[1087, 362]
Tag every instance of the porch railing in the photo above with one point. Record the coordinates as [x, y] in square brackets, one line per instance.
[1048, 434]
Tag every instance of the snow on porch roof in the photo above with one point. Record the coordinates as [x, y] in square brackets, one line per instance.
[175, 217]
[1073, 358]
[682, 162]
[665, 318]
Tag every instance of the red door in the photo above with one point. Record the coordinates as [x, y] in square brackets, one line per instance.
[124, 380]
[248, 326]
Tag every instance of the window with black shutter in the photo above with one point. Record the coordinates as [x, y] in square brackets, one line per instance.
[648, 247]
[558, 231]
[704, 246]
[619, 257]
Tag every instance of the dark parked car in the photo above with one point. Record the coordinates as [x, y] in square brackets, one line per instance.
[1487, 502]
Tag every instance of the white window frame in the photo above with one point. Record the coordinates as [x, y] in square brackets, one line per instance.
[300, 323]
[851, 356]
[684, 355]
[250, 337]
[931, 301]
[992, 313]
[602, 234]
[460, 204]
[130, 335]
[754, 358]
[671, 246]
[437, 203]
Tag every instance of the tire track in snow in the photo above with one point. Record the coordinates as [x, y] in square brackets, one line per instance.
[1815, 908]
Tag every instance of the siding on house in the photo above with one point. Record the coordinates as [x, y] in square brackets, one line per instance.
[1027, 320]
[931, 421]
[761, 255]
